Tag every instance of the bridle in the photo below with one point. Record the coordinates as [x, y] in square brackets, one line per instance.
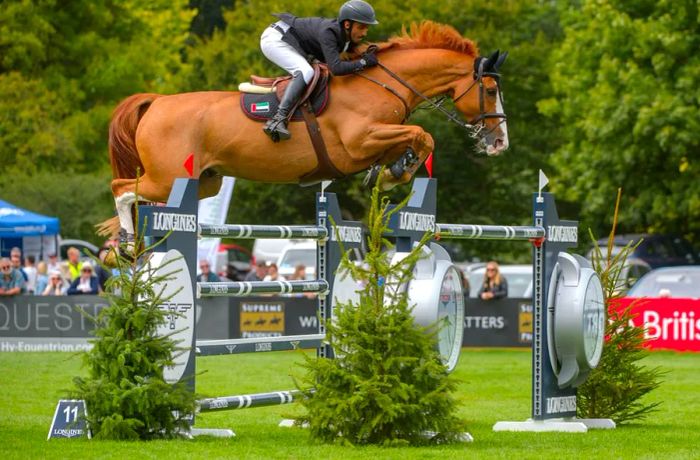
[474, 126]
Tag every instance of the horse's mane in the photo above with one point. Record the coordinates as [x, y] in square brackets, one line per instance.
[429, 34]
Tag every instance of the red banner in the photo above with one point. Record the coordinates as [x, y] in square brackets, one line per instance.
[671, 324]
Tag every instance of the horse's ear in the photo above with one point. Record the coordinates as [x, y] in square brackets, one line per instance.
[479, 67]
[500, 61]
[491, 61]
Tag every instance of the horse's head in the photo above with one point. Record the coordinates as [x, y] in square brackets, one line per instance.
[480, 100]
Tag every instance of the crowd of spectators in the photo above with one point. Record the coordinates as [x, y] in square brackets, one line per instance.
[52, 277]
[80, 276]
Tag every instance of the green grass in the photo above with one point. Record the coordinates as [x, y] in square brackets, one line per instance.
[495, 385]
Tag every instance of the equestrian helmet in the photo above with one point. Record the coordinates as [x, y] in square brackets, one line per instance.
[358, 11]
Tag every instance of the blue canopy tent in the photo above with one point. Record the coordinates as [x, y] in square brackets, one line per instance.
[33, 233]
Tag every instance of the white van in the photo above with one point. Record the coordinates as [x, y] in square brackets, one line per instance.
[269, 249]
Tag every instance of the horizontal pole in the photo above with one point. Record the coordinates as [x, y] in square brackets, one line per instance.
[258, 344]
[487, 232]
[274, 398]
[264, 231]
[246, 288]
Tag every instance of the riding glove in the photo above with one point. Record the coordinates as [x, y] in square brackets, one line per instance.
[369, 60]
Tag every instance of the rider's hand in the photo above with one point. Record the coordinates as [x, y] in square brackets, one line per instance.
[369, 60]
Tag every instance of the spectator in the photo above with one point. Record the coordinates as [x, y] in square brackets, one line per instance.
[207, 275]
[65, 271]
[30, 272]
[273, 274]
[258, 273]
[56, 285]
[16, 259]
[42, 277]
[300, 275]
[86, 282]
[102, 274]
[299, 272]
[11, 280]
[495, 285]
[53, 263]
[74, 264]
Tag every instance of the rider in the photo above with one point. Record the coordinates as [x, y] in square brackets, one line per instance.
[290, 41]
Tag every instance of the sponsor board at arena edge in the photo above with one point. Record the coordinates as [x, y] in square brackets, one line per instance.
[671, 324]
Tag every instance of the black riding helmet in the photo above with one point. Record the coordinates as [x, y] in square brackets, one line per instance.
[358, 11]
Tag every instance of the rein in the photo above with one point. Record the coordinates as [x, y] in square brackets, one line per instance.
[473, 126]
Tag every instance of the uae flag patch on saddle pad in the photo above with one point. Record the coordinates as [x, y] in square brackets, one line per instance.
[259, 107]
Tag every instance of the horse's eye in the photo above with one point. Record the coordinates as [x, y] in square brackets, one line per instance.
[492, 92]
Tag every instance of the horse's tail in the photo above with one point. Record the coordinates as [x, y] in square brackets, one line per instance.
[122, 147]
[122, 135]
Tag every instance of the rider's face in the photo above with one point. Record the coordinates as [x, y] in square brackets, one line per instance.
[357, 31]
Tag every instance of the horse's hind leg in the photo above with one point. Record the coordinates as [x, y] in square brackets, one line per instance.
[124, 191]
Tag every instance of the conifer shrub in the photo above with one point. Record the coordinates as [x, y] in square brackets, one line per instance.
[616, 387]
[126, 395]
[387, 384]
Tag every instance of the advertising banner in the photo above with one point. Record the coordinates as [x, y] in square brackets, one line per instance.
[497, 323]
[48, 323]
[672, 324]
[36, 323]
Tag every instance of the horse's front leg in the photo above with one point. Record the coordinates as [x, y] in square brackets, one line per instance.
[404, 147]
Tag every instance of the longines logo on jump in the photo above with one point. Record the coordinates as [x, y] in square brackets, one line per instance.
[414, 221]
[561, 404]
[347, 234]
[562, 234]
[167, 221]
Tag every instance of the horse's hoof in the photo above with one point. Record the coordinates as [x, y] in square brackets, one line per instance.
[110, 260]
[370, 179]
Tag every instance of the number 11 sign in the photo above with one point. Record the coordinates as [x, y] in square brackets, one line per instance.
[69, 420]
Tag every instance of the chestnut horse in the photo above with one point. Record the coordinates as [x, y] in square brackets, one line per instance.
[362, 126]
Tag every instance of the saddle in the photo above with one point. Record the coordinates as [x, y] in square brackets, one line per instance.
[261, 97]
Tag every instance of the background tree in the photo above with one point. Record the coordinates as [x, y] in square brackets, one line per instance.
[63, 68]
[626, 101]
[209, 17]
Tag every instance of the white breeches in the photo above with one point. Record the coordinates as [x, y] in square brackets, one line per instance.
[283, 54]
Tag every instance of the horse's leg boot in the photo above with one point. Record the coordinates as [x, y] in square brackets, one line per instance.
[276, 127]
[403, 164]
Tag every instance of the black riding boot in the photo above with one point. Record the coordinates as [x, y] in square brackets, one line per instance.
[276, 127]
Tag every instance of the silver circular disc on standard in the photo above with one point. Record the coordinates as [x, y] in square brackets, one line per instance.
[450, 317]
[575, 320]
[594, 321]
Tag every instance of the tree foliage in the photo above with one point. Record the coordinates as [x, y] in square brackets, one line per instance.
[386, 384]
[615, 388]
[63, 67]
[125, 391]
[626, 78]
